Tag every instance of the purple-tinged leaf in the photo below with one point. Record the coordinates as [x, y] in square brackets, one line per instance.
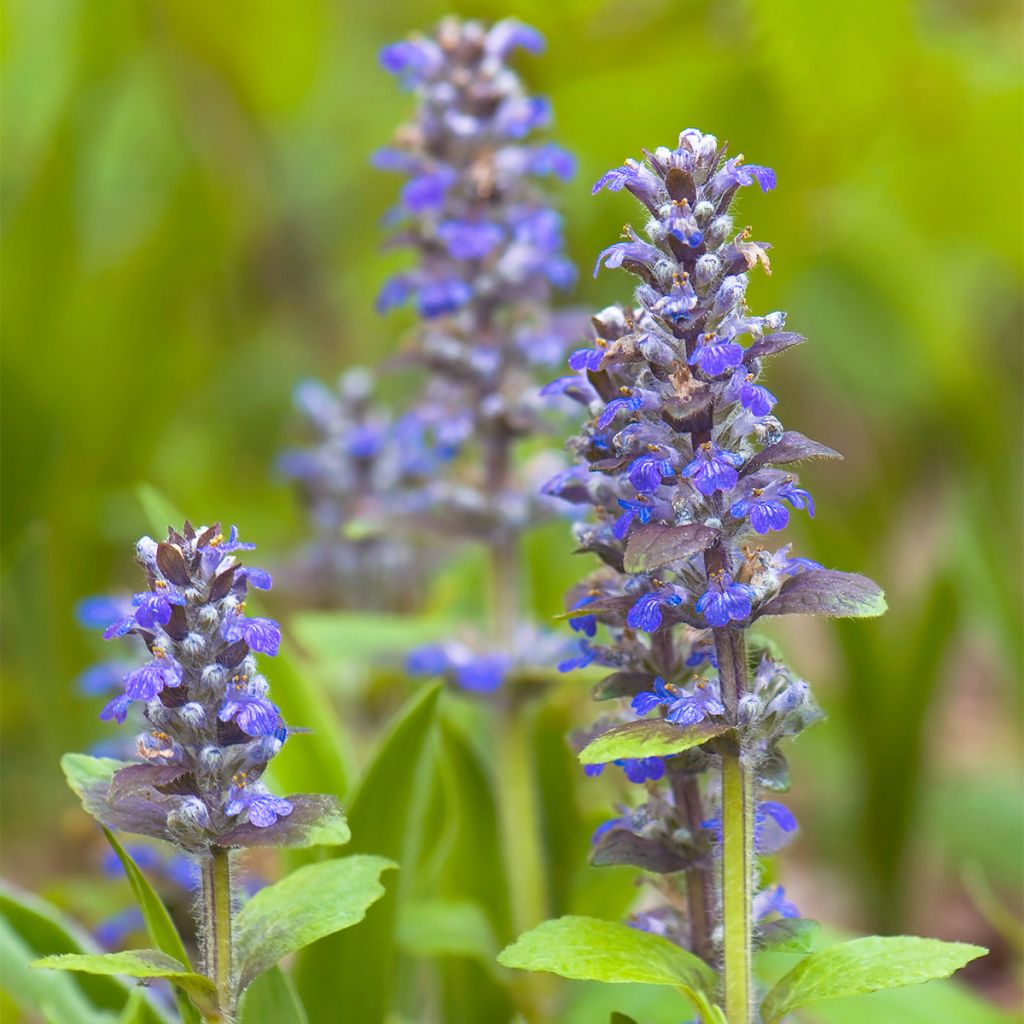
[828, 592]
[653, 545]
[620, 846]
[691, 414]
[622, 684]
[773, 344]
[314, 821]
[791, 447]
[222, 582]
[142, 779]
[654, 738]
[171, 562]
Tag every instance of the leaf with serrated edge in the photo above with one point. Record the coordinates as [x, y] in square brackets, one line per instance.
[654, 545]
[317, 900]
[137, 963]
[588, 949]
[865, 965]
[654, 738]
[844, 595]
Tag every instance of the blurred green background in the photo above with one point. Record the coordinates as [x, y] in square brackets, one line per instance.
[190, 226]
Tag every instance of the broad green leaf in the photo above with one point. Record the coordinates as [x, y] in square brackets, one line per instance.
[844, 595]
[35, 993]
[136, 963]
[652, 546]
[44, 929]
[272, 999]
[589, 949]
[315, 901]
[865, 965]
[159, 925]
[158, 509]
[83, 772]
[649, 738]
[429, 928]
[383, 814]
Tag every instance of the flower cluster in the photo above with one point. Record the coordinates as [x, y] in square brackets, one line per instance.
[211, 726]
[678, 461]
[359, 457]
[488, 254]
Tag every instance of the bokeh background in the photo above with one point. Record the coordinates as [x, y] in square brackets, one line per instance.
[191, 226]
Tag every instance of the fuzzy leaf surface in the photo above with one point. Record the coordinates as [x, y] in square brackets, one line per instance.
[844, 595]
[654, 738]
[791, 447]
[653, 546]
[865, 965]
[317, 900]
[589, 949]
[136, 963]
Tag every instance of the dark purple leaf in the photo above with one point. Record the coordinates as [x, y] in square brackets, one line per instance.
[828, 592]
[772, 344]
[689, 415]
[654, 545]
[791, 447]
[177, 624]
[620, 846]
[221, 585]
[171, 562]
[622, 684]
[139, 779]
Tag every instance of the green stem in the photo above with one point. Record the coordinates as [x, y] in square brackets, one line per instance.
[737, 839]
[217, 928]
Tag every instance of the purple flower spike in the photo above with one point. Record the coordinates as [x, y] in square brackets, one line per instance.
[262, 808]
[716, 355]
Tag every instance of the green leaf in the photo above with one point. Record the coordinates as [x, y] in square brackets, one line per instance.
[84, 772]
[383, 815]
[621, 1018]
[37, 994]
[649, 738]
[844, 595]
[315, 901]
[159, 925]
[137, 963]
[653, 546]
[42, 929]
[865, 965]
[272, 999]
[588, 949]
[429, 928]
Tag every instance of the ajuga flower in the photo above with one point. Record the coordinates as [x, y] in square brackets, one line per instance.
[211, 727]
[488, 253]
[677, 460]
[358, 456]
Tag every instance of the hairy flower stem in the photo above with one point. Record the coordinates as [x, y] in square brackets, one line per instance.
[217, 928]
[737, 839]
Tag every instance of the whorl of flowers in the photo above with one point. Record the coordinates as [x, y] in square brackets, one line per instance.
[679, 461]
[358, 457]
[211, 726]
[488, 252]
